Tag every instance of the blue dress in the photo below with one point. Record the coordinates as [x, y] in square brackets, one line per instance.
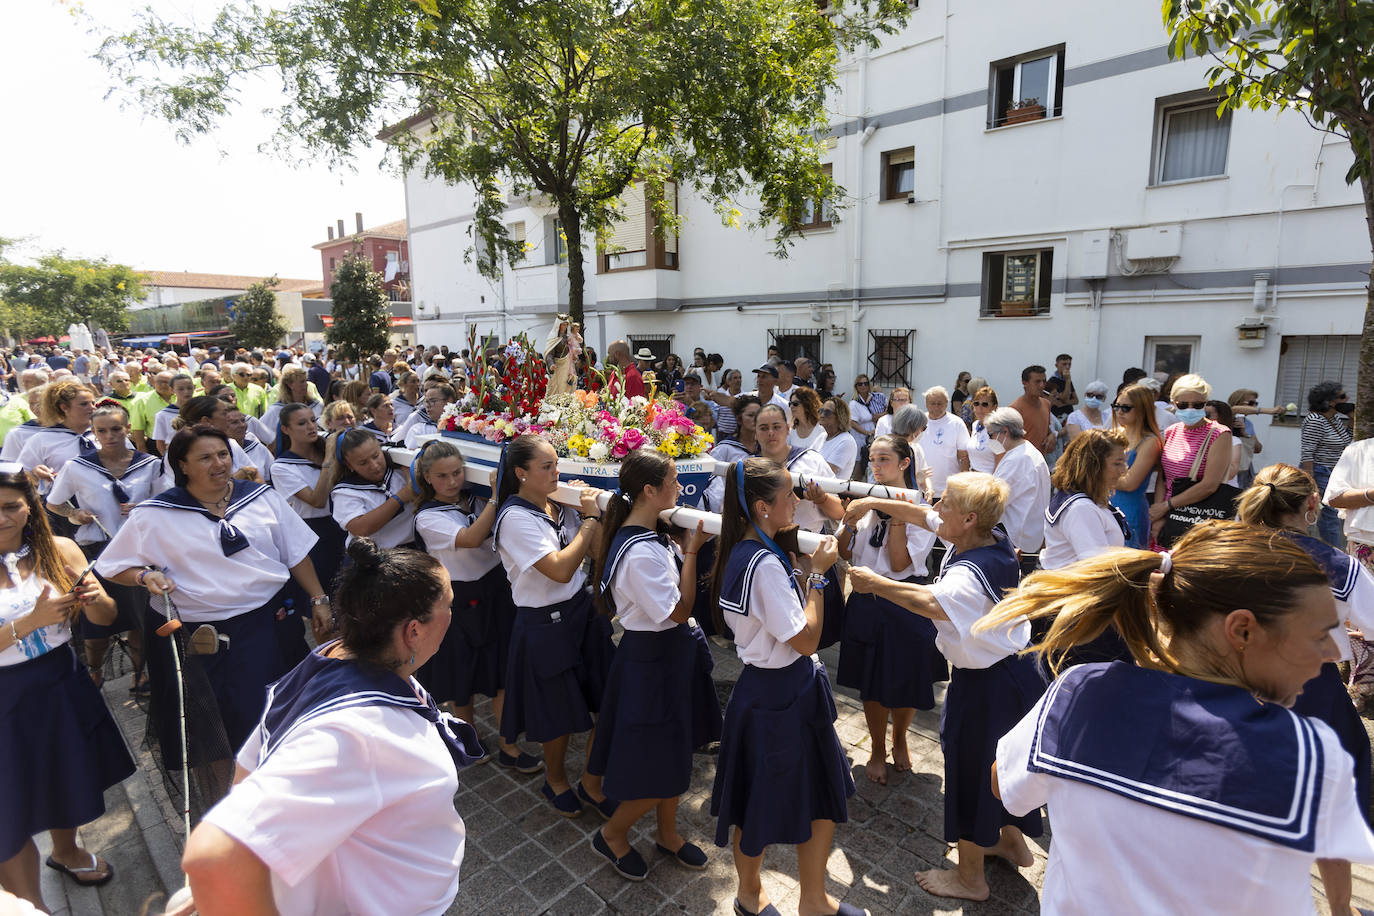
[1133, 505]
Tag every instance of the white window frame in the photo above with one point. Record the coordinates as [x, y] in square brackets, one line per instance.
[1050, 103]
[1153, 343]
[1166, 107]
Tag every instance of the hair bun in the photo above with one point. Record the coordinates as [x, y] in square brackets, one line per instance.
[365, 553]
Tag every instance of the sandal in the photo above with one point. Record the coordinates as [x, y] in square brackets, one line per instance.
[77, 874]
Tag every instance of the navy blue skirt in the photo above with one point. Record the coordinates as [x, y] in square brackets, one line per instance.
[472, 657]
[236, 679]
[832, 621]
[660, 705]
[982, 705]
[781, 765]
[1325, 698]
[59, 748]
[129, 601]
[889, 654]
[556, 670]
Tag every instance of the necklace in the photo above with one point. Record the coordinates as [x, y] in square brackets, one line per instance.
[220, 503]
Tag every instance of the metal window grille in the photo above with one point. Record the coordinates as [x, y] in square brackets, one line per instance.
[889, 358]
[793, 343]
[659, 344]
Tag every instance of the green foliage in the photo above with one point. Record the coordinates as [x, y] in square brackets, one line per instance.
[55, 291]
[570, 99]
[257, 322]
[362, 315]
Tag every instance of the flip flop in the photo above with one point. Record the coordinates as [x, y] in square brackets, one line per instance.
[769, 910]
[76, 873]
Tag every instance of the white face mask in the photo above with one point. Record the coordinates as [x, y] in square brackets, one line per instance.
[996, 447]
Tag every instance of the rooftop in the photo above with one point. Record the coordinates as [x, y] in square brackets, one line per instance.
[392, 230]
[188, 280]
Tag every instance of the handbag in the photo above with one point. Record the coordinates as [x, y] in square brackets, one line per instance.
[1220, 505]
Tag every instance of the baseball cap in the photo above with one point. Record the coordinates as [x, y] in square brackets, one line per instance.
[768, 368]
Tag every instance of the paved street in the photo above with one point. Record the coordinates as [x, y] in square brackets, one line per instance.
[523, 859]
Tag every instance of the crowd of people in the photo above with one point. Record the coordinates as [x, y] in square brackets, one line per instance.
[1137, 628]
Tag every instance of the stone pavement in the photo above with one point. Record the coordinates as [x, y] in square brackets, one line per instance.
[523, 859]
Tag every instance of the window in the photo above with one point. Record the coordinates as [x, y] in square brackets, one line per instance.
[1027, 88]
[899, 173]
[516, 232]
[889, 358]
[1166, 356]
[633, 243]
[1017, 283]
[817, 214]
[1305, 361]
[795, 342]
[555, 242]
[1190, 140]
[659, 344]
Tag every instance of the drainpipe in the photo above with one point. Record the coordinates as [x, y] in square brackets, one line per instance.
[855, 350]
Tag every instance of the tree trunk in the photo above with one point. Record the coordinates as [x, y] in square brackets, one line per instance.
[1364, 387]
[572, 235]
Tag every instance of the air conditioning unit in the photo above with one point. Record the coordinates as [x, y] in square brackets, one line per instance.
[838, 332]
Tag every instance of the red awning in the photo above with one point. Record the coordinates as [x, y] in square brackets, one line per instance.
[397, 321]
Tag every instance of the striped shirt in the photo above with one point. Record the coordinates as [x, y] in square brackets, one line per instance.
[1181, 444]
[1323, 440]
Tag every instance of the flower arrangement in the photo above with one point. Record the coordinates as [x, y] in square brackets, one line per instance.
[512, 383]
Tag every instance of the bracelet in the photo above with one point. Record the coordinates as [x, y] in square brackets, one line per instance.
[817, 582]
[319, 600]
[143, 573]
[400, 502]
[15, 633]
[1366, 497]
[689, 553]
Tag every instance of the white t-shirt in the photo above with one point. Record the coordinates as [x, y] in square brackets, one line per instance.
[965, 601]
[439, 525]
[416, 429]
[290, 476]
[1164, 416]
[258, 455]
[943, 440]
[94, 492]
[919, 541]
[645, 587]
[16, 439]
[814, 440]
[1080, 419]
[840, 452]
[1355, 471]
[811, 463]
[352, 815]
[1097, 864]
[350, 499]
[18, 602]
[1025, 471]
[775, 616]
[980, 457]
[523, 539]
[861, 416]
[777, 399]
[186, 544]
[162, 423]
[1084, 529]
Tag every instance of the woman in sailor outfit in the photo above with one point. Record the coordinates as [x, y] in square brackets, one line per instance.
[67, 409]
[888, 653]
[407, 397]
[204, 410]
[343, 796]
[660, 703]
[221, 550]
[560, 652]
[736, 447]
[59, 748]
[454, 526]
[990, 687]
[305, 470]
[16, 438]
[425, 421]
[381, 417]
[781, 776]
[1285, 498]
[1194, 744]
[105, 485]
[258, 454]
[294, 388]
[372, 500]
[164, 426]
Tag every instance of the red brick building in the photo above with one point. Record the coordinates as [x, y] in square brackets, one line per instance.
[385, 246]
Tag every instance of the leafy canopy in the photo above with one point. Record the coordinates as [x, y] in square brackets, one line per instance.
[54, 291]
[362, 315]
[256, 322]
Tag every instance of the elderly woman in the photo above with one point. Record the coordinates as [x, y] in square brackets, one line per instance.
[1093, 413]
[980, 456]
[838, 448]
[349, 723]
[909, 423]
[1023, 467]
[1193, 439]
[1325, 435]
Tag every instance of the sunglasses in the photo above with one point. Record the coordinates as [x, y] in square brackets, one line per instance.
[827, 412]
[1250, 403]
[861, 384]
[1195, 405]
[1123, 408]
[982, 403]
[794, 403]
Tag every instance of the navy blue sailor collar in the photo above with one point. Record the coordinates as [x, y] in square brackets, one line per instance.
[1061, 500]
[628, 537]
[352, 481]
[1342, 570]
[231, 539]
[741, 567]
[91, 459]
[994, 566]
[290, 457]
[520, 504]
[87, 441]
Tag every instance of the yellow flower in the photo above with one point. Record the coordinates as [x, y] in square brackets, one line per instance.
[670, 449]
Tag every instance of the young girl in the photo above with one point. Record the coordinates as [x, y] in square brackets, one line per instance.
[1234, 794]
[888, 653]
[454, 526]
[782, 776]
[372, 500]
[1133, 412]
[106, 484]
[990, 688]
[560, 652]
[660, 702]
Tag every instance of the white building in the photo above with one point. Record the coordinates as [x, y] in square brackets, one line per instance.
[1120, 221]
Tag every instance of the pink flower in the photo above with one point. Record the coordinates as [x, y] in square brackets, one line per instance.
[660, 421]
[683, 424]
[634, 439]
[620, 449]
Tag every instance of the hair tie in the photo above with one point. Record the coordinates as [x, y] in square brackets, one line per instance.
[1272, 488]
[626, 497]
[1166, 562]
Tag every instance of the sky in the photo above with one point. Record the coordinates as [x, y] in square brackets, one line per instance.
[79, 174]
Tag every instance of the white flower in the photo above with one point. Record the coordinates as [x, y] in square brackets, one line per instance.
[550, 415]
[598, 451]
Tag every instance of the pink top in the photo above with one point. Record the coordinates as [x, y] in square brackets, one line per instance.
[1181, 444]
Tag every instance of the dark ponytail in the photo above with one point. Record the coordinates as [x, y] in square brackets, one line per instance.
[519, 452]
[378, 591]
[763, 480]
[641, 468]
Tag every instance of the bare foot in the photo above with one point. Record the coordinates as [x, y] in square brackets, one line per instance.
[901, 756]
[945, 882]
[876, 770]
[1014, 850]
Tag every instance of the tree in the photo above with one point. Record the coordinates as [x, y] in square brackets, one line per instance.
[255, 321]
[1312, 56]
[56, 291]
[362, 316]
[570, 99]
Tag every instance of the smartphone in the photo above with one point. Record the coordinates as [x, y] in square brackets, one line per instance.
[679, 385]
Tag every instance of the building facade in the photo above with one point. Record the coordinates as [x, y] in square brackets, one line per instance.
[1017, 185]
[384, 247]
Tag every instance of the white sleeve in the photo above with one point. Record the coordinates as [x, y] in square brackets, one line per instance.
[961, 598]
[346, 505]
[127, 548]
[1342, 832]
[288, 479]
[1022, 791]
[293, 537]
[412, 436]
[1358, 608]
[919, 541]
[30, 456]
[774, 599]
[259, 429]
[1343, 475]
[438, 529]
[1079, 419]
[651, 580]
[14, 447]
[961, 438]
[1083, 531]
[64, 487]
[525, 540]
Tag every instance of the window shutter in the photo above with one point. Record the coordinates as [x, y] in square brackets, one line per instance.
[901, 156]
[1305, 361]
[670, 195]
[629, 234]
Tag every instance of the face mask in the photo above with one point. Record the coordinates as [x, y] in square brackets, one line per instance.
[1344, 407]
[1092, 401]
[1190, 415]
[997, 448]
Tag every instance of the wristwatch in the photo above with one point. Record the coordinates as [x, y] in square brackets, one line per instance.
[817, 581]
